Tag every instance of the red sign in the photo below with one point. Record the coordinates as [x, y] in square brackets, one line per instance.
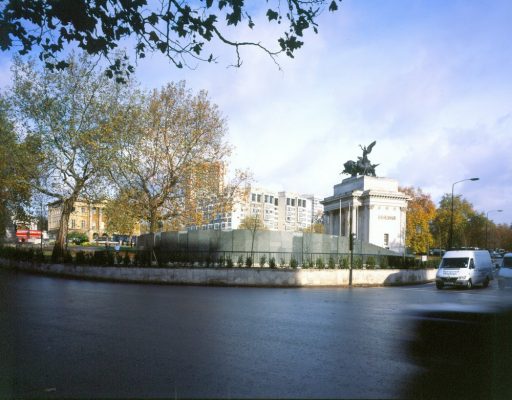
[24, 233]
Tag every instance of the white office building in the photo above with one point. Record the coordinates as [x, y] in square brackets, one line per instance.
[279, 211]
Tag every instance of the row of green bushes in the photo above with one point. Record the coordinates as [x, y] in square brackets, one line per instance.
[98, 258]
[289, 260]
[145, 258]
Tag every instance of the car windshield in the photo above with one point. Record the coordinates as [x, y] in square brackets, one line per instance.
[507, 262]
[456, 262]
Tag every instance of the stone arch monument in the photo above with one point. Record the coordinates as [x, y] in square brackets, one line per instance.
[377, 207]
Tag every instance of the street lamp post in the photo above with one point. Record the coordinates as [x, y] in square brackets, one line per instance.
[486, 223]
[451, 215]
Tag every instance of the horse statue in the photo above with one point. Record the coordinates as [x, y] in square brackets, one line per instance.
[362, 166]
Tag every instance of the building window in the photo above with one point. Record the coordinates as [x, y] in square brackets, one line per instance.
[83, 224]
[276, 202]
[253, 196]
[287, 201]
[386, 239]
[83, 210]
[266, 198]
[259, 198]
[73, 224]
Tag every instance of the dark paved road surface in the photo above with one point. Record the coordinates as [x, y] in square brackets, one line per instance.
[67, 338]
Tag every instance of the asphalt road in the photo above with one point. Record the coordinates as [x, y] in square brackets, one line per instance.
[68, 338]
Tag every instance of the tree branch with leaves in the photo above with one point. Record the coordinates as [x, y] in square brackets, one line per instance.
[178, 29]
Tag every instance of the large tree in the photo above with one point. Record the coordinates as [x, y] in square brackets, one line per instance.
[170, 157]
[464, 216]
[123, 213]
[178, 29]
[500, 236]
[70, 112]
[474, 233]
[420, 212]
[18, 162]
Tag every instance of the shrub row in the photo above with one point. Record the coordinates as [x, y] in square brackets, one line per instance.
[144, 259]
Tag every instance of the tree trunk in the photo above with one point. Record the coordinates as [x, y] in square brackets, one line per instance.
[153, 222]
[253, 237]
[59, 247]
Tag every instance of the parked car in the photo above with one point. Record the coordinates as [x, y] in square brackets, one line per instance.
[436, 252]
[505, 272]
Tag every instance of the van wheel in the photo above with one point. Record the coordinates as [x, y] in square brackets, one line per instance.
[469, 285]
[439, 285]
[486, 282]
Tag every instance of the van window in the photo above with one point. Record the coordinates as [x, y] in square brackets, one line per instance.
[507, 262]
[456, 262]
[471, 264]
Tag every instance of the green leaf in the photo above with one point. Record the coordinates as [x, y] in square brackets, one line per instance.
[333, 6]
[271, 14]
[153, 36]
[153, 19]
[234, 18]
[162, 46]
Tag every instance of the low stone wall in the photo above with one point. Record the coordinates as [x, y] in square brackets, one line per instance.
[233, 276]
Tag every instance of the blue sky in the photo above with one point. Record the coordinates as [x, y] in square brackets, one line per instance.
[430, 81]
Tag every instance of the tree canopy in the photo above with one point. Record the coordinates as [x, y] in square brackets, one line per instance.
[17, 162]
[420, 212]
[170, 156]
[467, 223]
[123, 213]
[252, 223]
[69, 113]
[177, 29]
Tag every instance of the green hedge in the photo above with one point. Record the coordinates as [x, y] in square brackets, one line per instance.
[143, 259]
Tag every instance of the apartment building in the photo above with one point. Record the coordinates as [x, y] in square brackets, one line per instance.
[298, 211]
[263, 204]
[278, 211]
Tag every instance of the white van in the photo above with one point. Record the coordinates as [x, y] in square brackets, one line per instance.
[465, 268]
